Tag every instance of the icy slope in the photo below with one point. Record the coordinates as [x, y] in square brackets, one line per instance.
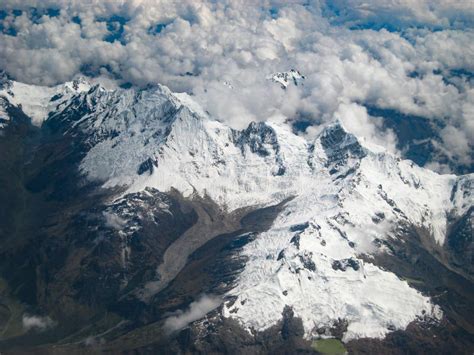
[38, 101]
[310, 260]
[349, 198]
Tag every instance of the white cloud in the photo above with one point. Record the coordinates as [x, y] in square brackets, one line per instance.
[356, 120]
[113, 221]
[40, 324]
[456, 143]
[196, 310]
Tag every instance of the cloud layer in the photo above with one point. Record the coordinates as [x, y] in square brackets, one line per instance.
[412, 56]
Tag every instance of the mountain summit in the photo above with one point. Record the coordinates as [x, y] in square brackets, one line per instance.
[291, 77]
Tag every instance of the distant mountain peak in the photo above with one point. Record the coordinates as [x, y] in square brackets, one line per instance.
[5, 81]
[79, 84]
[335, 138]
[287, 78]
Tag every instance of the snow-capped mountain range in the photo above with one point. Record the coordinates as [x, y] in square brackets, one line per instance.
[346, 198]
[37, 101]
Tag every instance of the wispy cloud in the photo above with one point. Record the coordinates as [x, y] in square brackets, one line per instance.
[37, 323]
[113, 221]
[196, 310]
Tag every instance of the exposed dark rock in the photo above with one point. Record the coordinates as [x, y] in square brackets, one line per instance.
[281, 170]
[258, 136]
[5, 81]
[384, 196]
[343, 264]
[460, 243]
[378, 217]
[307, 262]
[296, 241]
[299, 227]
[262, 140]
[281, 255]
[338, 328]
[56, 97]
[147, 166]
[340, 146]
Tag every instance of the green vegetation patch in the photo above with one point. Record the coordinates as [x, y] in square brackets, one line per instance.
[329, 347]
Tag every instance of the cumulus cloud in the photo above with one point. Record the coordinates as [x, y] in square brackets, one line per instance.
[382, 53]
[355, 119]
[196, 310]
[37, 323]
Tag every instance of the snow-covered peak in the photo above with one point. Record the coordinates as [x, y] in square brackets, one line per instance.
[81, 84]
[286, 78]
[123, 130]
[339, 145]
[259, 137]
[38, 101]
[335, 137]
[228, 84]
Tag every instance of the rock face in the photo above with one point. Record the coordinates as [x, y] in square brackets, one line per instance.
[117, 181]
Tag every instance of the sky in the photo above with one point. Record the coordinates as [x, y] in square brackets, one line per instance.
[411, 56]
